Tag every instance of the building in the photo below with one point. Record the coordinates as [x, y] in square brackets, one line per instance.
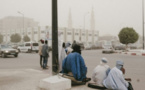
[68, 35]
[11, 23]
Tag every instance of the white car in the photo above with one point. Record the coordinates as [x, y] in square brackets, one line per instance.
[29, 47]
[107, 50]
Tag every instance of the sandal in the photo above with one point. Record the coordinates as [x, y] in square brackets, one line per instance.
[86, 80]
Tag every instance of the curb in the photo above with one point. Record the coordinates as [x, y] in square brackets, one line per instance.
[132, 53]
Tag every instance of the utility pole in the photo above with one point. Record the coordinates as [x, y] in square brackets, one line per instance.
[54, 38]
[143, 21]
[23, 23]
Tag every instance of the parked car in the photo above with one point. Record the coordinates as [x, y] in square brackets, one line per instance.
[108, 50]
[6, 50]
[87, 47]
[119, 47]
[29, 47]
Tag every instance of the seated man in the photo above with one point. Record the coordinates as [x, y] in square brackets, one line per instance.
[115, 79]
[74, 65]
[100, 72]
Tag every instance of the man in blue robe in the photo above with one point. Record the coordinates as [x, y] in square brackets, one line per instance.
[74, 64]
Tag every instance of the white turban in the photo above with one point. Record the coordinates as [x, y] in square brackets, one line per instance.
[119, 64]
[104, 60]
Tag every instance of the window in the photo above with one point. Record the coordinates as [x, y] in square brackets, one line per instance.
[76, 34]
[69, 33]
[35, 32]
[42, 32]
[35, 44]
[83, 34]
[29, 32]
[27, 44]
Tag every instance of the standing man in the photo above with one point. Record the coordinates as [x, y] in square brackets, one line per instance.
[62, 56]
[45, 54]
[74, 43]
[40, 52]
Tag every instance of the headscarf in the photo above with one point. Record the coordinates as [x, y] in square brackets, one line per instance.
[104, 60]
[119, 64]
[67, 45]
[77, 48]
[42, 41]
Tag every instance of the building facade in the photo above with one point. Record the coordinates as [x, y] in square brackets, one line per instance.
[45, 33]
[11, 23]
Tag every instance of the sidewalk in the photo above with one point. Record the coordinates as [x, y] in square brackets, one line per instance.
[27, 79]
[21, 79]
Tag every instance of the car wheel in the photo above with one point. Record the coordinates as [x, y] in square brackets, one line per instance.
[3, 55]
[16, 55]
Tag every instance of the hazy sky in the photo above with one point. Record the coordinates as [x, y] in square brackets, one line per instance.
[110, 15]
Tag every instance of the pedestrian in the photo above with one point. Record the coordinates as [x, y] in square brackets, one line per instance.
[68, 48]
[115, 79]
[74, 65]
[73, 44]
[100, 72]
[45, 54]
[40, 52]
[62, 56]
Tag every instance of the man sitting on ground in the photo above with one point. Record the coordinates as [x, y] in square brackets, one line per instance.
[74, 65]
[115, 79]
[100, 72]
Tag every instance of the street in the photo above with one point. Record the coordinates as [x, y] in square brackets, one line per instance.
[24, 72]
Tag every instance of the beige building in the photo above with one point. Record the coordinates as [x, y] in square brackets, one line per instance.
[12, 22]
[68, 35]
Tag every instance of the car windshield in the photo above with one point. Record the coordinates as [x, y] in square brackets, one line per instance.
[35, 44]
[5, 46]
[27, 44]
[21, 45]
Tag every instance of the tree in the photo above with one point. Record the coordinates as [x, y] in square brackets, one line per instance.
[128, 35]
[26, 38]
[1, 38]
[15, 38]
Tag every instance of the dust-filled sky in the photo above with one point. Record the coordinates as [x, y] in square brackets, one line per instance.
[110, 15]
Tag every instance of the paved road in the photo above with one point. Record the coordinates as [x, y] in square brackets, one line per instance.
[24, 72]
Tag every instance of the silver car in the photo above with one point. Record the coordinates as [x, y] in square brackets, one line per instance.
[6, 50]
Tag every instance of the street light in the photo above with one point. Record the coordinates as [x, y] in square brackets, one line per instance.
[23, 21]
[143, 21]
[84, 24]
[85, 18]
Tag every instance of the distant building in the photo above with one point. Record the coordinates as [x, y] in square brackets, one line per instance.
[11, 23]
[68, 35]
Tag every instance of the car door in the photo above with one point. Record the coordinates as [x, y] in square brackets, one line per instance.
[35, 46]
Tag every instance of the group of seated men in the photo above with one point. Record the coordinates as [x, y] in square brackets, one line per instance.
[74, 65]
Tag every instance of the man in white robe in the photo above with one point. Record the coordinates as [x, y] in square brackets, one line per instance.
[100, 72]
[61, 50]
[115, 79]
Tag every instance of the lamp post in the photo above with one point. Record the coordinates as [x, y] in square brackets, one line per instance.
[143, 21]
[54, 38]
[23, 21]
[85, 18]
[84, 25]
